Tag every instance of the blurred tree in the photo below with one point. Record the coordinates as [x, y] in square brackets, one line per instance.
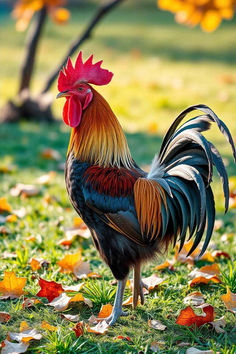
[207, 13]
[39, 108]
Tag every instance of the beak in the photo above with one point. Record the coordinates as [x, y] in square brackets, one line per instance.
[63, 94]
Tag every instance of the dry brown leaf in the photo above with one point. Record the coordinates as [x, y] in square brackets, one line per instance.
[50, 328]
[46, 179]
[11, 286]
[24, 190]
[152, 282]
[71, 318]
[156, 324]
[51, 154]
[71, 288]
[13, 348]
[219, 325]
[30, 302]
[82, 270]
[105, 311]
[4, 205]
[230, 300]
[4, 317]
[196, 298]
[62, 302]
[182, 256]
[100, 328]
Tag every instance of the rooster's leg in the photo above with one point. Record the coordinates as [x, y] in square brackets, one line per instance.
[138, 286]
[117, 308]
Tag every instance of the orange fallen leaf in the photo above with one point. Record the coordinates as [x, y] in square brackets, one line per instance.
[155, 324]
[79, 329]
[24, 190]
[105, 311]
[205, 274]
[229, 300]
[35, 264]
[46, 325]
[11, 218]
[4, 205]
[187, 316]
[196, 298]
[24, 326]
[12, 286]
[51, 154]
[100, 328]
[25, 336]
[165, 265]
[4, 317]
[129, 301]
[152, 282]
[69, 262]
[182, 256]
[49, 289]
[9, 347]
[78, 221]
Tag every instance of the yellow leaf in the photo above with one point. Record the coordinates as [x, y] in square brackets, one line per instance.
[11, 286]
[4, 205]
[46, 325]
[211, 20]
[69, 262]
[11, 218]
[230, 300]
[35, 264]
[24, 326]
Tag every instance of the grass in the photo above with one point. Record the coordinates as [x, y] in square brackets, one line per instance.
[160, 68]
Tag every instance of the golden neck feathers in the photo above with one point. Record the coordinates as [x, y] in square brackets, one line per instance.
[99, 138]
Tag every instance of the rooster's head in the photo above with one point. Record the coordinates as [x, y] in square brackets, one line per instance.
[73, 84]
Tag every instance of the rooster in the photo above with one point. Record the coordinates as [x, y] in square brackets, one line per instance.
[134, 215]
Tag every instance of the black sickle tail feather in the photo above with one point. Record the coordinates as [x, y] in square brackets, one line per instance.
[184, 169]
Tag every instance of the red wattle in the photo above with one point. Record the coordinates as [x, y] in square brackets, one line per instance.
[72, 111]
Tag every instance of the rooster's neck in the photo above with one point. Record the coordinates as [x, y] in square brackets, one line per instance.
[99, 139]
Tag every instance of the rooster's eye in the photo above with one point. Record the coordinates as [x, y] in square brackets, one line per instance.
[80, 88]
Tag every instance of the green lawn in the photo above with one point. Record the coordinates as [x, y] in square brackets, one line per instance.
[160, 68]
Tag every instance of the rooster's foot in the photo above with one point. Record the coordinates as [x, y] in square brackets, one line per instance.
[111, 320]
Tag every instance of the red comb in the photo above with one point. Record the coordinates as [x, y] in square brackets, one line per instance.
[83, 72]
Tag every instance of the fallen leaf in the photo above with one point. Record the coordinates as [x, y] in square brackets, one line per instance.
[218, 224]
[78, 221]
[129, 301]
[46, 325]
[82, 270]
[62, 302]
[71, 288]
[25, 336]
[196, 298]
[20, 213]
[11, 286]
[24, 326]
[229, 300]
[100, 328]
[219, 325]
[183, 344]
[13, 348]
[105, 311]
[51, 154]
[4, 317]
[205, 274]
[152, 282]
[11, 218]
[124, 338]
[193, 350]
[154, 347]
[46, 179]
[79, 329]
[49, 289]
[6, 255]
[35, 264]
[24, 190]
[166, 265]
[182, 256]
[4, 205]
[219, 253]
[69, 262]
[71, 318]
[30, 302]
[187, 317]
[156, 325]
